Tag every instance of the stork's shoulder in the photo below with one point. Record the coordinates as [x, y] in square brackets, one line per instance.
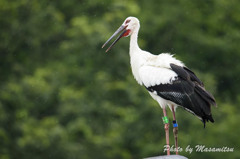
[156, 69]
[163, 60]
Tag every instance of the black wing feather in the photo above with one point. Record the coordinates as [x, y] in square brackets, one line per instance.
[192, 75]
[188, 92]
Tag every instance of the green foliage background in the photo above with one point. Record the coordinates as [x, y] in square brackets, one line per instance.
[62, 96]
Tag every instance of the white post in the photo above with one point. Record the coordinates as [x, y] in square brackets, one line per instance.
[168, 157]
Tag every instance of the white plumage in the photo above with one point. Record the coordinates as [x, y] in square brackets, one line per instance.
[156, 70]
[149, 69]
[152, 73]
[167, 79]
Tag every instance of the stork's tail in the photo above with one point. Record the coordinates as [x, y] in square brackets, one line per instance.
[207, 100]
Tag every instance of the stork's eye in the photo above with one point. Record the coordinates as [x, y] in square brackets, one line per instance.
[127, 21]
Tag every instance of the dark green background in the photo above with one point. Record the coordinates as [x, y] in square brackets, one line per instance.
[63, 97]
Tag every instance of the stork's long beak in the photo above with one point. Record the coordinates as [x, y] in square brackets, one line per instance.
[122, 29]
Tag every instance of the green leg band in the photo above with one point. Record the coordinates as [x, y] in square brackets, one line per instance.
[165, 120]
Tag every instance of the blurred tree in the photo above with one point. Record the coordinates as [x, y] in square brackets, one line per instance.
[61, 96]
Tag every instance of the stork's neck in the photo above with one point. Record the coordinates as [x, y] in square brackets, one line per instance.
[134, 48]
[135, 55]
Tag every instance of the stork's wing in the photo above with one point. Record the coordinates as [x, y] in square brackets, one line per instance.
[181, 86]
[188, 75]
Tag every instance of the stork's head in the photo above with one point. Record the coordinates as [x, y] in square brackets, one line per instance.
[126, 29]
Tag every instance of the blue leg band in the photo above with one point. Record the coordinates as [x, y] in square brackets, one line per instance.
[175, 125]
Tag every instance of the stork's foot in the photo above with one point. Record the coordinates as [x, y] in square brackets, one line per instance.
[175, 133]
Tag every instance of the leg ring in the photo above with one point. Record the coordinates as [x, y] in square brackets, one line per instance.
[175, 125]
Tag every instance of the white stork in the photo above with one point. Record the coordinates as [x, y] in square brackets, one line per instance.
[167, 80]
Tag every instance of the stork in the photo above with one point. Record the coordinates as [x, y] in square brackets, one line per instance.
[167, 80]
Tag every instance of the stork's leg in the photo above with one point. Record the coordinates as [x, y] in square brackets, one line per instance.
[175, 130]
[166, 127]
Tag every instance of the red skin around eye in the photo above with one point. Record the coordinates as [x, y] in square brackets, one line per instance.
[127, 21]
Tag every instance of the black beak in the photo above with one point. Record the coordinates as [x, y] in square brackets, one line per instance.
[120, 29]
